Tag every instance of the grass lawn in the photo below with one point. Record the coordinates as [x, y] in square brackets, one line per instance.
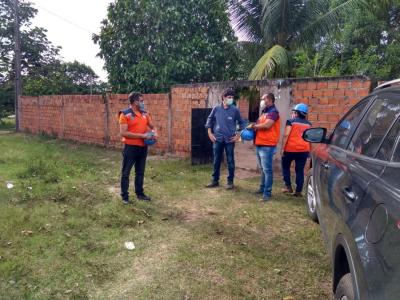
[63, 228]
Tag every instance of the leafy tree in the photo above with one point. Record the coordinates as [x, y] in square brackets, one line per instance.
[366, 44]
[149, 45]
[280, 27]
[63, 78]
[43, 72]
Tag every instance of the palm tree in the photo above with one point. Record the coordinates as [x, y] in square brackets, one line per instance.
[282, 26]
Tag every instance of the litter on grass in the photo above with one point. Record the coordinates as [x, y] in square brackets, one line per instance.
[129, 245]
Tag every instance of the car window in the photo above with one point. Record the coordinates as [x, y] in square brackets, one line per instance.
[375, 124]
[385, 150]
[396, 153]
[342, 133]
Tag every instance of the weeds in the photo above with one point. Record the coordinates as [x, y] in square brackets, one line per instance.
[63, 229]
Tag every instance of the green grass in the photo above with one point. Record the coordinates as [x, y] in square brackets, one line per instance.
[62, 231]
[7, 123]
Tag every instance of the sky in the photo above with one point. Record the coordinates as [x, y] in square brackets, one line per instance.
[70, 24]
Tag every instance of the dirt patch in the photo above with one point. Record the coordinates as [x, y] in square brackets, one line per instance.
[115, 190]
[241, 173]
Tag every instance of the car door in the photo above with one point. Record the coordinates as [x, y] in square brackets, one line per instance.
[380, 255]
[330, 168]
[352, 198]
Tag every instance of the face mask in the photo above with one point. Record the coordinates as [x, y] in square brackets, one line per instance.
[141, 105]
[262, 104]
[229, 101]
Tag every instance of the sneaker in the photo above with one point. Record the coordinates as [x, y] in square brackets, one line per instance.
[297, 194]
[126, 201]
[265, 199]
[143, 197]
[230, 186]
[212, 184]
[287, 190]
[258, 192]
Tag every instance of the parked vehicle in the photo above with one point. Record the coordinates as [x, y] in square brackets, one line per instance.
[354, 193]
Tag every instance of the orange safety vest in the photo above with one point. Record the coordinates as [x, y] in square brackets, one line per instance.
[138, 122]
[270, 136]
[295, 142]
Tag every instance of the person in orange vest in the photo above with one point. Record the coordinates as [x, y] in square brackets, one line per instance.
[267, 136]
[135, 125]
[294, 148]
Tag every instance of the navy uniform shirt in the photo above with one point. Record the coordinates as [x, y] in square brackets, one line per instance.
[223, 122]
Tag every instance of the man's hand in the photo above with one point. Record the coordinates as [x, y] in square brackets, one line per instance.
[251, 126]
[212, 137]
[235, 138]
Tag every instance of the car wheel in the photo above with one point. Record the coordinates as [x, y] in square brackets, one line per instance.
[344, 290]
[311, 200]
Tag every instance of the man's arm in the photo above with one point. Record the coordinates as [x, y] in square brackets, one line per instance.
[288, 129]
[210, 124]
[268, 124]
[123, 131]
[239, 120]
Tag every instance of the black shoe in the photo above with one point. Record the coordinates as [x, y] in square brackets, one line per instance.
[212, 184]
[230, 186]
[143, 197]
[126, 201]
[258, 192]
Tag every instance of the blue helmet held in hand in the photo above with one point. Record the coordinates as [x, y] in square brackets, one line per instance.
[150, 142]
[301, 107]
[247, 134]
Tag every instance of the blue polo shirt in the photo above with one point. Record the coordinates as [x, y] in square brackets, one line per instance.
[223, 122]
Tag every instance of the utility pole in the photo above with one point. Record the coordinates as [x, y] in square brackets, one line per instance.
[17, 61]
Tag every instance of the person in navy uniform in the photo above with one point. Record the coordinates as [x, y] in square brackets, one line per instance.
[221, 128]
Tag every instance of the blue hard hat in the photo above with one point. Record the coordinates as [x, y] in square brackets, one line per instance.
[301, 107]
[150, 142]
[247, 134]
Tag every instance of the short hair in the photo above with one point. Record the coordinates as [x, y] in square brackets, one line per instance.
[300, 114]
[134, 96]
[270, 96]
[228, 92]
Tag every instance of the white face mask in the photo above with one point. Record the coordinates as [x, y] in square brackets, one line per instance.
[229, 101]
[262, 104]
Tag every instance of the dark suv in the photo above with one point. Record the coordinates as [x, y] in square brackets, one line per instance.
[354, 193]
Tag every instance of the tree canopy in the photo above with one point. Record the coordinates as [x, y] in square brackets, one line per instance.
[43, 71]
[149, 45]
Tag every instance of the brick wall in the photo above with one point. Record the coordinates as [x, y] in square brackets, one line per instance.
[89, 118]
[94, 118]
[183, 99]
[328, 100]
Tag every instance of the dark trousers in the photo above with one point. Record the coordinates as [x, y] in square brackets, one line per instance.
[218, 149]
[133, 155]
[300, 159]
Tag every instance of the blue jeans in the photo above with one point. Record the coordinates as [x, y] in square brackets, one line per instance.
[218, 149]
[300, 159]
[264, 158]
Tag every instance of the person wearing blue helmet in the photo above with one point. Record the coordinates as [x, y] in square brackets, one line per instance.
[294, 148]
[221, 129]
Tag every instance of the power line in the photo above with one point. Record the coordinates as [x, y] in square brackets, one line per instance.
[64, 19]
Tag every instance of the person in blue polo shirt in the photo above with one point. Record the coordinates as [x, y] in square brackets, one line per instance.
[221, 127]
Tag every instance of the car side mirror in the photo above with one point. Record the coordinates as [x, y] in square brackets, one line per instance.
[315, 135]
